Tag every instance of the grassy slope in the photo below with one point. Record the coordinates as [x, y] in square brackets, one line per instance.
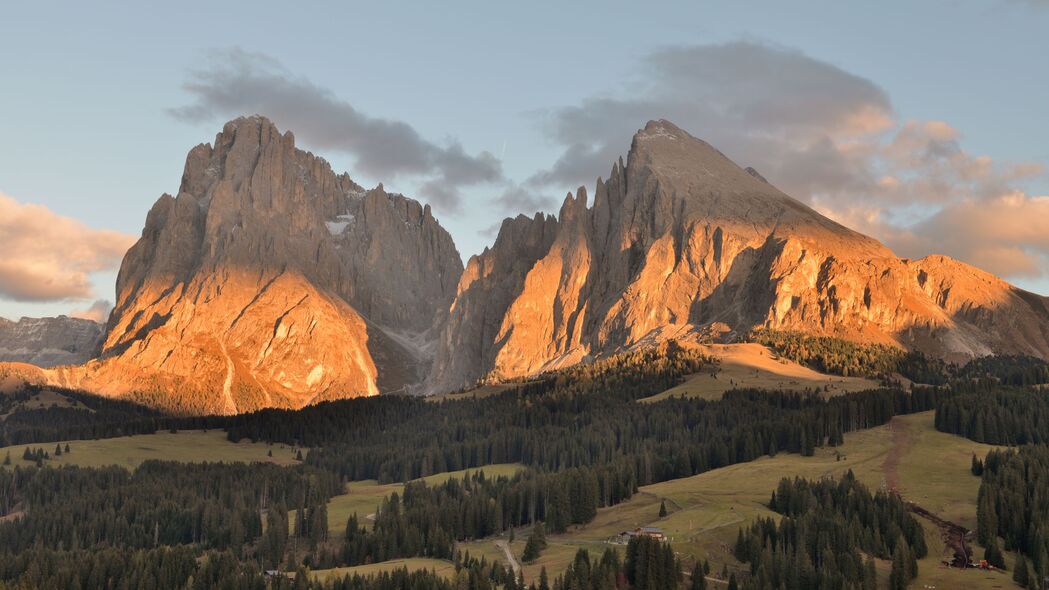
[442, 568]
[363, 497]
[753, 365]
[130, 451]
[706, 511]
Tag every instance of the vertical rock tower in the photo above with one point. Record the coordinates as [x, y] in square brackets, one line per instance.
[269, 280]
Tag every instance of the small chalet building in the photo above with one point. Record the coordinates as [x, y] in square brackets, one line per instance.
[646, 531]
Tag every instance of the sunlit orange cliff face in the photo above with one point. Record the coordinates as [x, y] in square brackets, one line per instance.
[269, 280]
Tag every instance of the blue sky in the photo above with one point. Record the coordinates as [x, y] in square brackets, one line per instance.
[87, 128]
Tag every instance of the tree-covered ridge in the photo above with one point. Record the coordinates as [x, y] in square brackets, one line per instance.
[843, 357]
[998, 416]
[584, 418]
[826, 530]
[1013, 504]
[1014, 370]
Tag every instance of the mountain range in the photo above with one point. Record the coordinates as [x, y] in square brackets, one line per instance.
[270, 280]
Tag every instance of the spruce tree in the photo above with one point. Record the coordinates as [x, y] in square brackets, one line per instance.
[898, 576]
[699, 582]
[993, 555]
[535, 544]
[662, 509]
[1020, 574]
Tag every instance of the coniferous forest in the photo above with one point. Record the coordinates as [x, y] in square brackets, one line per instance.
[584, 441]
[827, 537]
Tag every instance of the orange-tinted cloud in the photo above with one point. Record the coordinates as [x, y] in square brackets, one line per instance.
[49, 257]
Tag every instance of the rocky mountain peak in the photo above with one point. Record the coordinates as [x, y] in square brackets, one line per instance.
[681, 242]
[269, 280]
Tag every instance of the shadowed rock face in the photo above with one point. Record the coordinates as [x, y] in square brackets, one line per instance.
[271, 281]
[49, 342]
[682, 243]
[268, 280]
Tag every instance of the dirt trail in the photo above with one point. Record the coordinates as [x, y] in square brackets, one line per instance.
[902, 440]
[509, 556]
[955, 536]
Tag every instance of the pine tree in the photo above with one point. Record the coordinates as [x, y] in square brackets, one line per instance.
[67, 448]
[898, 575]
[58, 450]
[699, 582]
[663, 509]
[732, 583]
[535, 544]
[993, 555]
[1020, 574]
[7, 458]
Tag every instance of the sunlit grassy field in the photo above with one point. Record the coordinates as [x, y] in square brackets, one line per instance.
[706, 511]
[442, 568]
[191, 446]
[753, 365]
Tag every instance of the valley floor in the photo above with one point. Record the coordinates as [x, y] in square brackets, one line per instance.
[706, 511]
[925, 466]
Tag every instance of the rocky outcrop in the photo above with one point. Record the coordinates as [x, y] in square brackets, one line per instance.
[680, 242]
[269, 280]
[49, 342]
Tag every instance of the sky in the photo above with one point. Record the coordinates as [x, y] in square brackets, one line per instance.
[924, 124]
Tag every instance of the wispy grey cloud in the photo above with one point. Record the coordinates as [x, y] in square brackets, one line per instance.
[521, 199]
[236, 82]
[97, 312]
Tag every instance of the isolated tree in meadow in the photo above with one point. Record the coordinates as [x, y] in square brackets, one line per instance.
[535, 544]
[662, 509]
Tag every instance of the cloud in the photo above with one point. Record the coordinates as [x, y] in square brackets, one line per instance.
[824, 135]
[98, 312]
[236, 82]
[520, 199]
[48, 257]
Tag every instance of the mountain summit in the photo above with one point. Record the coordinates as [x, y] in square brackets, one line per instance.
[681, 242]
[269, 280]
